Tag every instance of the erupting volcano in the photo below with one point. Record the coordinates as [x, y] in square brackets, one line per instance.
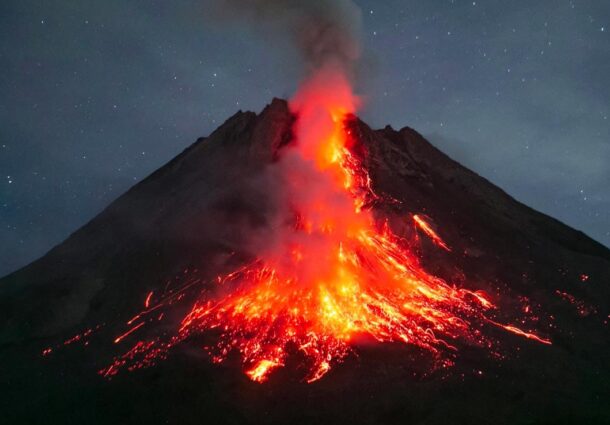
[299, 252]
[326, 271]
[297, 266]
[330, 273]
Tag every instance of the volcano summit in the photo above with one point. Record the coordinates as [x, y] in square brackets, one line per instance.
[262, 276]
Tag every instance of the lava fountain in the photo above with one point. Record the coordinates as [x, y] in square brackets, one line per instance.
[333, 274]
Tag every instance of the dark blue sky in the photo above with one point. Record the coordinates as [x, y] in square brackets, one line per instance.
[95, 95]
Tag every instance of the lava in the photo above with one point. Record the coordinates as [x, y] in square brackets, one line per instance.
[334, 275]
[528, 335]
[147, 300]
[427, 229]
[260, 372]
[129, 332]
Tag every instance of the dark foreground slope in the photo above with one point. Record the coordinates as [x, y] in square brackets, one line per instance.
[189, 217]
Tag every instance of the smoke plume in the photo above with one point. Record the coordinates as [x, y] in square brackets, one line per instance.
[325, 32]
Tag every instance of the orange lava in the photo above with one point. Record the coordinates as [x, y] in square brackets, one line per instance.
[333, 274]
[427, 229]
[261, 370]
[528, 335]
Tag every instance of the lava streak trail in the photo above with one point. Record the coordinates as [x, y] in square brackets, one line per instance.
[331, 276]
[425, 227]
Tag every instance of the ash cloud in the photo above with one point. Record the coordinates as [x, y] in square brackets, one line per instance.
[323, 31]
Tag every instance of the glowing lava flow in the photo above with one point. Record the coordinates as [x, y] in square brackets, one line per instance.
[334, 274]
[425, 227]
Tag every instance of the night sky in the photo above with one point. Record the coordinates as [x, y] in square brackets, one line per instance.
[95, 95]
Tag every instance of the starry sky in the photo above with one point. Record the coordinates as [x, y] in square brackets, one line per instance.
[95, 95]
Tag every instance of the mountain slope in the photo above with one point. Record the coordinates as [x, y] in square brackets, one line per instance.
[193, 216]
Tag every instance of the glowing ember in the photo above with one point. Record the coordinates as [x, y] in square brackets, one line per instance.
[333, 276]
[427, 229]
[529, 335]
[148, 298]
[129, 332]
[259, 372]
[582, 308]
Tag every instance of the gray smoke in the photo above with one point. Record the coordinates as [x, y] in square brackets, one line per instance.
[323, 31]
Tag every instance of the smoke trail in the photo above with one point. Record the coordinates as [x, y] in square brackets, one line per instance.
[325, 32]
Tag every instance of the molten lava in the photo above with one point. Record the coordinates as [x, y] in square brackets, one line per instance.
[333, 275]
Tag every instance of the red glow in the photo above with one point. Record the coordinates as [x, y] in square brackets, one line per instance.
[427, 229]
[528, 335]
[334, 275]
[261, 370]
[582, 308]
[148, 298]
[129, 332]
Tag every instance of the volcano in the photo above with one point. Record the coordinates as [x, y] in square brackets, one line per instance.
[142, 316]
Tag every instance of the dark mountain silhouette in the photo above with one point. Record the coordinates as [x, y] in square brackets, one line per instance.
[191, 216]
